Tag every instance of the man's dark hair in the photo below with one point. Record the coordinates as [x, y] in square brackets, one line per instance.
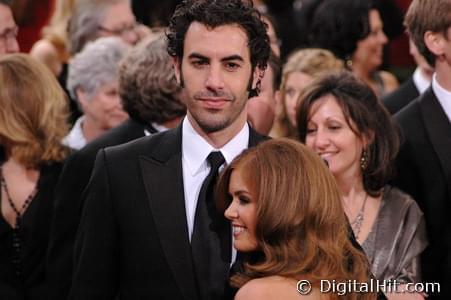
[276, 66]
[214, 13]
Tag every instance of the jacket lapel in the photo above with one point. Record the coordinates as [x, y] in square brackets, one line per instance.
[163, 180]
[438, 128]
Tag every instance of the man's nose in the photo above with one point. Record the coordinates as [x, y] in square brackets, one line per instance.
[12, 46]
[215, 78]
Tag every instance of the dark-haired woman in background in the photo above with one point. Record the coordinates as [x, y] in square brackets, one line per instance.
[297, 233]
[33, 112]
[353, 31]
[341, 119]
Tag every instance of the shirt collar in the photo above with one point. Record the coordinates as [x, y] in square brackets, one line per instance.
[443, 96]
[420, 81]
[195, 148]
[158, 128]
[75, 139]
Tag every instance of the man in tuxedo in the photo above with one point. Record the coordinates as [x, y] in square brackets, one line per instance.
[413, 86]
[8, 29]
[424, 161]
[151, 97]
[147, 231]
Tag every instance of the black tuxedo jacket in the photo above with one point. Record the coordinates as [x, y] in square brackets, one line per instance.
[401, 97]
[69, 203]
[133, 237]
[424, 171]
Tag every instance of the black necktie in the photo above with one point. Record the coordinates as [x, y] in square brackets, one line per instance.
[211, 239]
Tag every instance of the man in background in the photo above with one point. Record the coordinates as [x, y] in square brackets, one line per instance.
[8, 29]
[424, 160]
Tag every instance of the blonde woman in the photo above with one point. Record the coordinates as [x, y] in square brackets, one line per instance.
[33, 115]
[300, 69]
[51, 49]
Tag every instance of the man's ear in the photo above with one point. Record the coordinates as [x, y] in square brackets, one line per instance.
[176, 62]
[435, 42]
[258, 77]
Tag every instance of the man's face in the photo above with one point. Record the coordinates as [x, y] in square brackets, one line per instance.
[215, 70]
[8, 31]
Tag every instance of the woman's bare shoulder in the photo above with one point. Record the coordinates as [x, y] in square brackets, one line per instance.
[390, 81]
[273, 288]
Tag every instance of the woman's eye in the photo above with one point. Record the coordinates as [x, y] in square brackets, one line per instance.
[290, 92]
[243, 200]
[310, 130]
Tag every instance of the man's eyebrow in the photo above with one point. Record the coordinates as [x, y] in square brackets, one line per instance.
[227, 58]
[198, 56]
[232, 57]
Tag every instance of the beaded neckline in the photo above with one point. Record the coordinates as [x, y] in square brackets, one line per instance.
[19, 213]
[16, 232]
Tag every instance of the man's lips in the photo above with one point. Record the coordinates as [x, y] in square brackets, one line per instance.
[215, 103]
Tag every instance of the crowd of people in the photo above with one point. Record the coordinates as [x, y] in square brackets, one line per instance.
[202, 160]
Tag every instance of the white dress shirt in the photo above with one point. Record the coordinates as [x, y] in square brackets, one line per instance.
[75, 139]
[158, 128]
[420, 81]
[195, 150]
[443, 97]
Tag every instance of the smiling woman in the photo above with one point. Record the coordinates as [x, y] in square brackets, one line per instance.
[342, 120]
[285, 208]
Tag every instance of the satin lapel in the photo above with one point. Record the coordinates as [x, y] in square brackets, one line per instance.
[438, 128]
[163, 180]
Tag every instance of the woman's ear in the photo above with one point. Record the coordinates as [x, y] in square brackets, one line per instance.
[82, 98]
[367, 139]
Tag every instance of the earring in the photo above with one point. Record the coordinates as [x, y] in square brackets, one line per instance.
[348, 62]
[364, 160]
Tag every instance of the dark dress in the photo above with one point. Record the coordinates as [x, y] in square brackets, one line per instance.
[27, 280]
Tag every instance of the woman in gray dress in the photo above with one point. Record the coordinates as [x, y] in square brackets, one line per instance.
[341, 119]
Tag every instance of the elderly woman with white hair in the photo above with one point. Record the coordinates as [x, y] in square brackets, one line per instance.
[93, 82]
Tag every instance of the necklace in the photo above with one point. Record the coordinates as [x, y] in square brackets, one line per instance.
[19, 213]
[356, 225]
